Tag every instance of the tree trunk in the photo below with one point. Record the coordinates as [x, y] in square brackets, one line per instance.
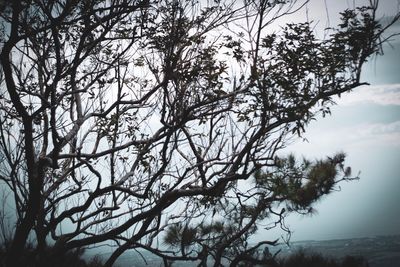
[24, 228]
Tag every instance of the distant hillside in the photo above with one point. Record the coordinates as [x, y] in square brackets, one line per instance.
[380, 251]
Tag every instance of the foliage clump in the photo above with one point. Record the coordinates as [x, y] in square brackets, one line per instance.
[29, 257]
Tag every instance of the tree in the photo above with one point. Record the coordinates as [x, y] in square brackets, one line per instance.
[156, 124]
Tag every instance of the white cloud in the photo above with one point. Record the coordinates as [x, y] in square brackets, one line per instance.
[366, 137]
[376, 134]
[386, 94]
[380, 129]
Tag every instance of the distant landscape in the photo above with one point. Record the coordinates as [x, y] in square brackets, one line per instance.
[380, 251]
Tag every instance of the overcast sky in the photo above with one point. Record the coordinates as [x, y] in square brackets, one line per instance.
[366, 126]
